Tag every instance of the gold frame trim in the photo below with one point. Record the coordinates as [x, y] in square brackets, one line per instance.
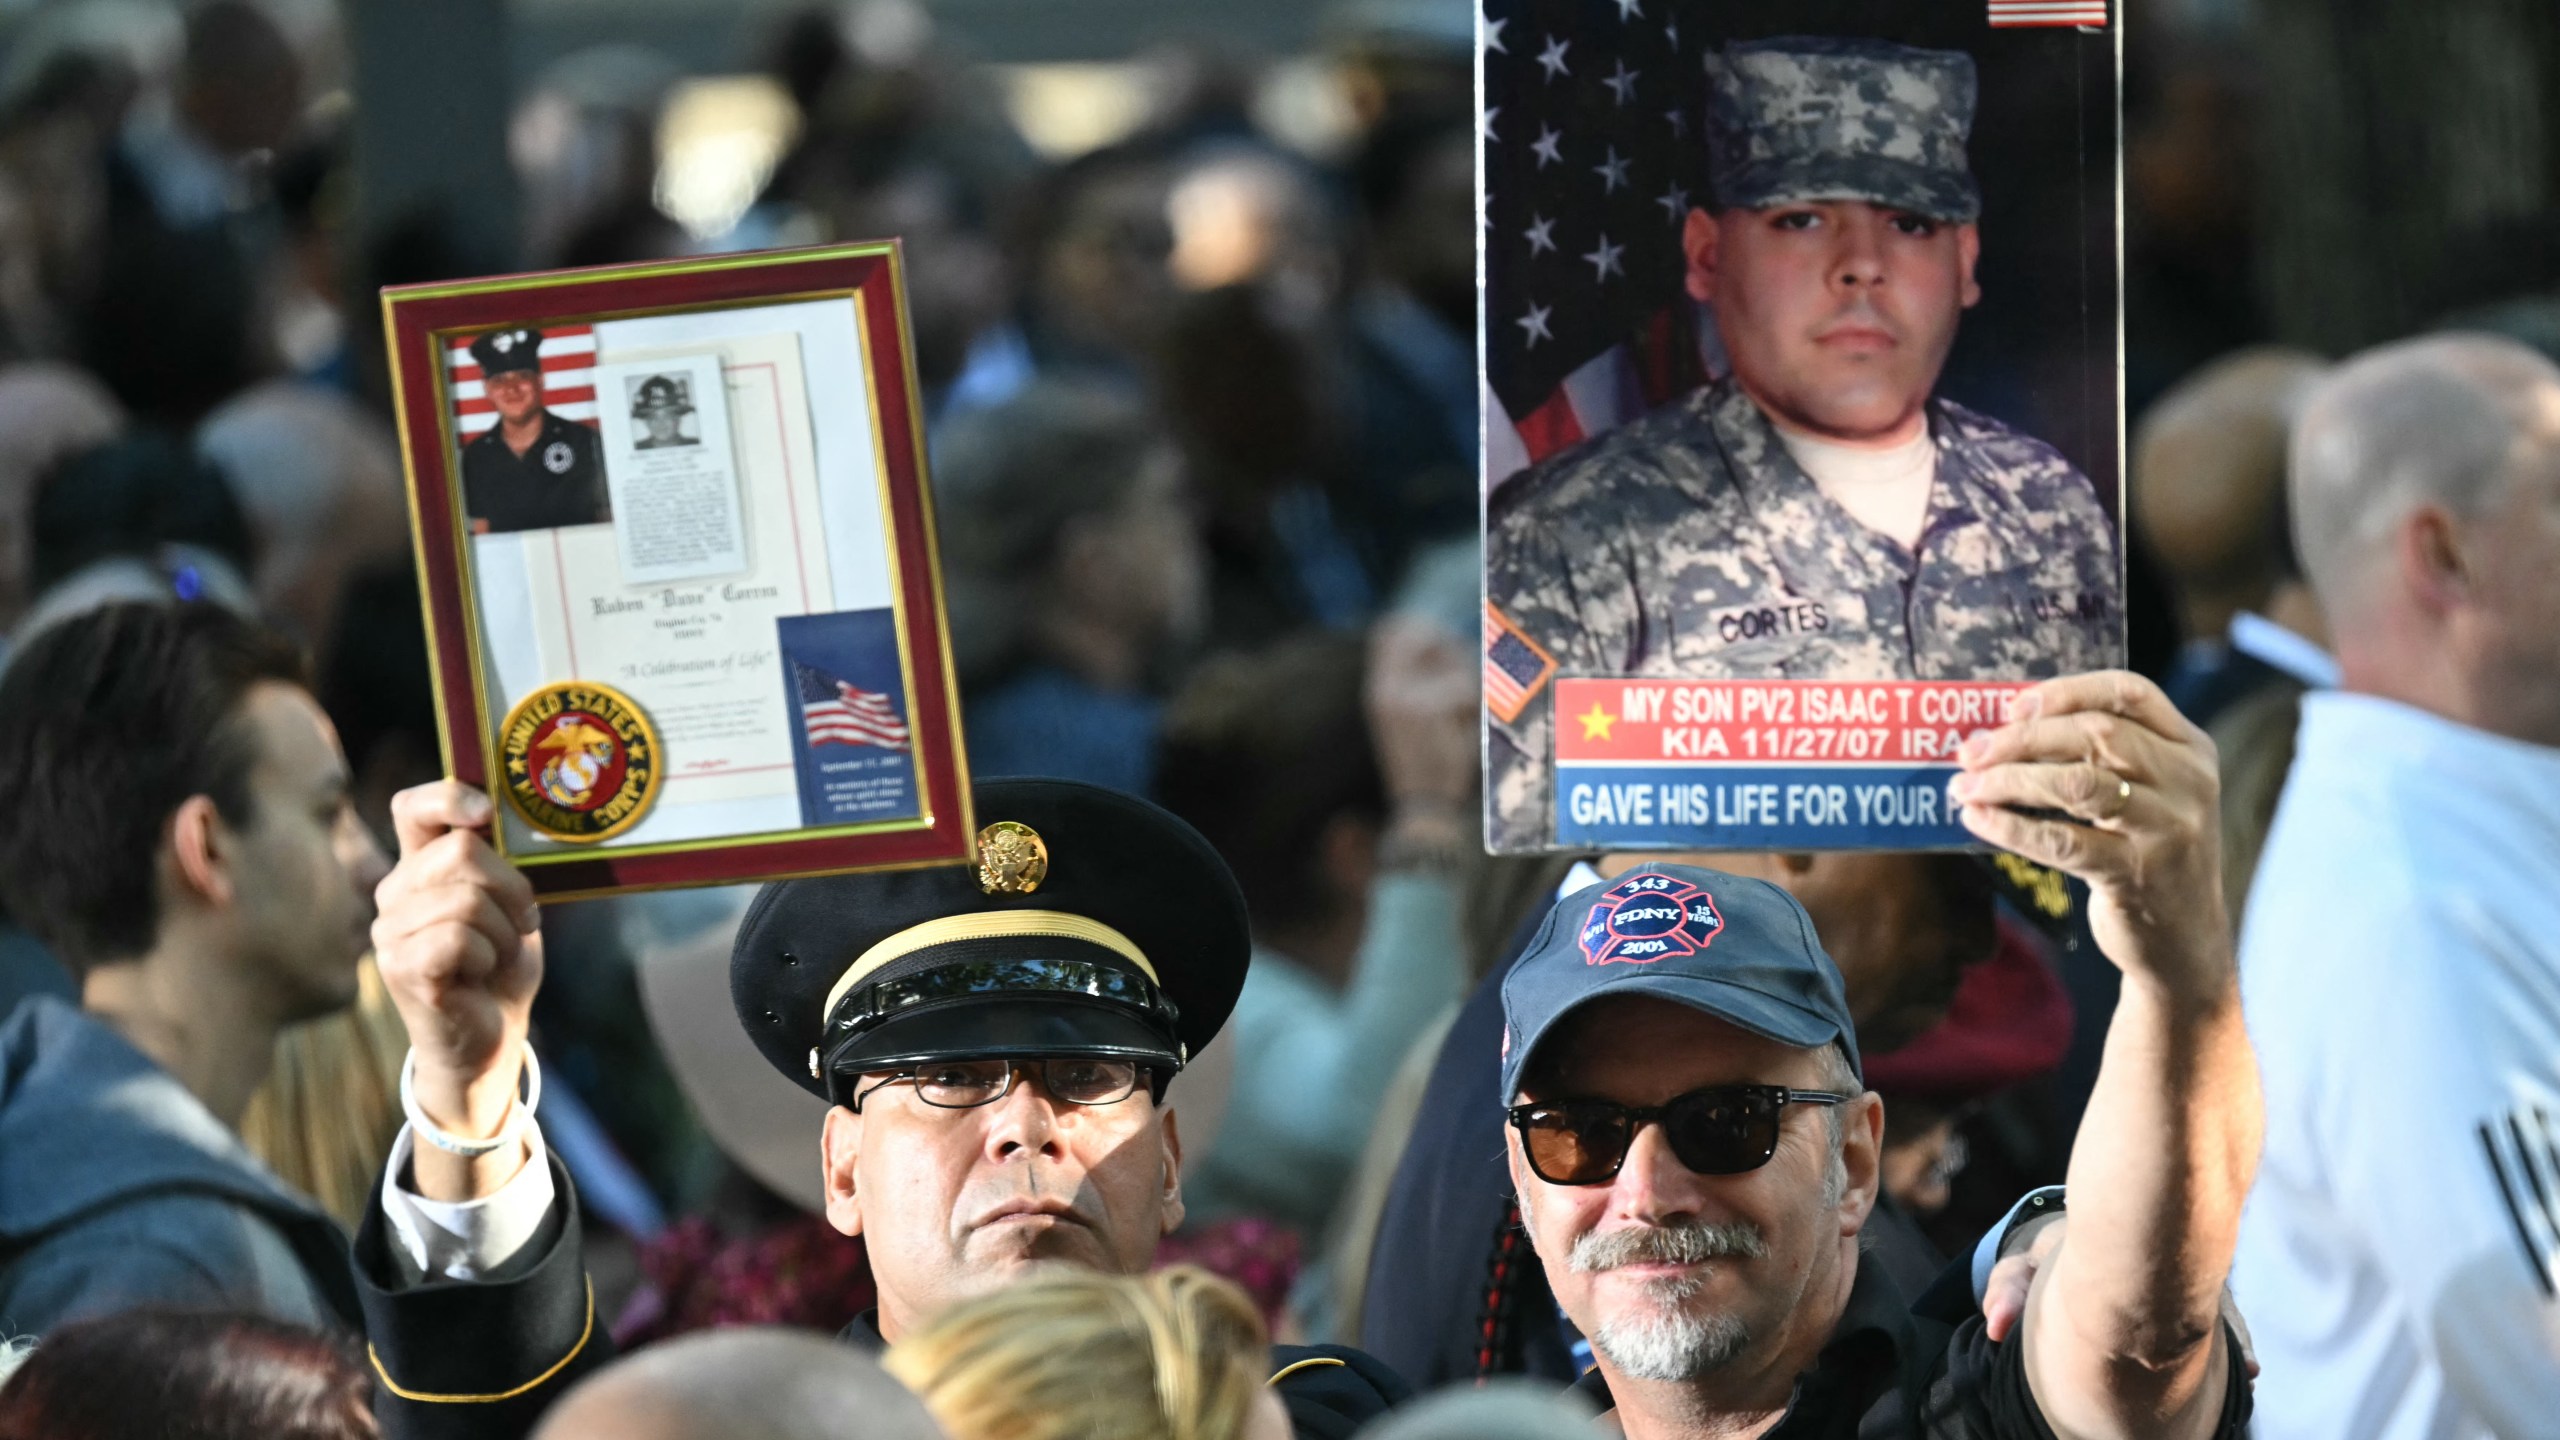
[439, 341]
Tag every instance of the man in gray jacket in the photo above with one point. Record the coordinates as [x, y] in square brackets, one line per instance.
[174, 824]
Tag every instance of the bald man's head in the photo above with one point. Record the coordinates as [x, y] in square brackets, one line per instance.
[2209, 477]
[2426, 507]
[746, 1384]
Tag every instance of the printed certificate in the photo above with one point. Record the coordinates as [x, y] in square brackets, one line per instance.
[675, 539]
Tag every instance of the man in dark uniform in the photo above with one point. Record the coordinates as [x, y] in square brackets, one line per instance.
[532, 470]
[996, 1040]
[661, 411]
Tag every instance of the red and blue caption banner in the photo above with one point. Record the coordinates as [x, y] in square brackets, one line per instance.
[1766, 764]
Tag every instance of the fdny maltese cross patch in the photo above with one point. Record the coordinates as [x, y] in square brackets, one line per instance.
[1647, 917]
[579, 761]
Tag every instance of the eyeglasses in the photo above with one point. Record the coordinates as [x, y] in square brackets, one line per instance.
[968, 1084]
[1721, 1130]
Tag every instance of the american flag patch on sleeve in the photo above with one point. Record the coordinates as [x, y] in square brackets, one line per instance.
[1516, 667]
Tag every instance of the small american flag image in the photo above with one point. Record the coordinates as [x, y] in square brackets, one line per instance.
[840, 714]
[1515, 667]
[2016, 14]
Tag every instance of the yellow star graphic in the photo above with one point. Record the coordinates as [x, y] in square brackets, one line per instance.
[1595, 726]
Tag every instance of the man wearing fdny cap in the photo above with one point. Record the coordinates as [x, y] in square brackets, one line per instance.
[1818, 513]
[996, 1041]
[1695, 1153]
[532, 470]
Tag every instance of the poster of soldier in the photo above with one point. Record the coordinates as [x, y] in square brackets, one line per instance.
[683, 602]
[1803, 411]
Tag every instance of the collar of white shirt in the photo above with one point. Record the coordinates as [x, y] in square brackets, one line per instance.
[2371, 735]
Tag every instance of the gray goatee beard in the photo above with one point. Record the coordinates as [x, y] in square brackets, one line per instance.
[1665, 1341]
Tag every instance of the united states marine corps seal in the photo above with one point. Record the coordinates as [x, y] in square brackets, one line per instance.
[579, 760]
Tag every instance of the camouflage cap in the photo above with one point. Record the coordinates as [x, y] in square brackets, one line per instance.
[1832, 119]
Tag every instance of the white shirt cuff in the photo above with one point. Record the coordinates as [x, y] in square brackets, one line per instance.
[468, 1239]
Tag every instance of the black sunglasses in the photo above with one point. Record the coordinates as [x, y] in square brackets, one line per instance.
[1721, 1130]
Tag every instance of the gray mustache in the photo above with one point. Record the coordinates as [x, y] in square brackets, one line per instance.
[1668, 1245]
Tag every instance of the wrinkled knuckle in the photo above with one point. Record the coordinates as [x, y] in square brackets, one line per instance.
[462, 905]
[2079, 785]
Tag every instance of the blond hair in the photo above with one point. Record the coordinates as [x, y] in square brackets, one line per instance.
[1077, 1355]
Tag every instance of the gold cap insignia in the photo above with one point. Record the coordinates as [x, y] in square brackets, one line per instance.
[1012, 859]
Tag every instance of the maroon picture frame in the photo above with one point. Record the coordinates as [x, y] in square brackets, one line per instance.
[421, 321]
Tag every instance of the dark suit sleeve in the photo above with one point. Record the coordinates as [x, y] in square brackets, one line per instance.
[480, 1360]
[1332, 1391]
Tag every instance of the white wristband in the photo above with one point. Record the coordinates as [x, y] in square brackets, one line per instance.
[522, 1106]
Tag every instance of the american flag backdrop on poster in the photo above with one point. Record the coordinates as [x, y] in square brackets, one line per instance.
[1592, 161]
[568, 380]
[837, 713]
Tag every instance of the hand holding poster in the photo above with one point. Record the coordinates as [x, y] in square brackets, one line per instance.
[1801, 332]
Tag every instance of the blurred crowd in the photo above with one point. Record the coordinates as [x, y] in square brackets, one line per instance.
[1202, 412]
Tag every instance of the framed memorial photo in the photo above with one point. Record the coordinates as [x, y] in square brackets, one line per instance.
[1803, 408]
[676, 549]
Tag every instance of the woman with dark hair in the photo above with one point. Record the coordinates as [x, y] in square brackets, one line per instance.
[187, 1375]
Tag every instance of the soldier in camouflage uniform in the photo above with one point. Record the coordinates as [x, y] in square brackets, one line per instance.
[1692, 543]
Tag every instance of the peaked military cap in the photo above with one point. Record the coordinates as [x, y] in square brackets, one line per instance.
[1093, 924]
[1801, 118]
[500, 351]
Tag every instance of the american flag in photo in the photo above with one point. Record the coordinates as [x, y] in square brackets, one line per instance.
[840, 714]
[1515, 667]
[1593, 159]
[568, 379]
[2017, 14]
